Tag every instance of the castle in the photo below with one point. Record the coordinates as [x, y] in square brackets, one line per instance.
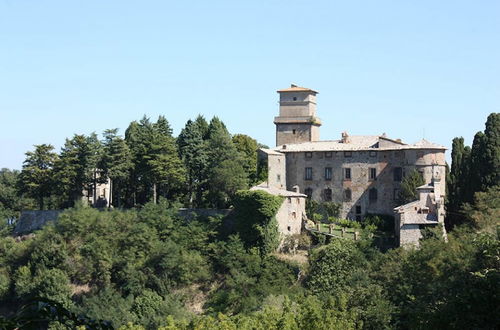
[362, 173]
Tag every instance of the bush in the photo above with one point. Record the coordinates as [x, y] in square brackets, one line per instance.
[382, 222]
[332, 265]
[296, 241]
[346, 223]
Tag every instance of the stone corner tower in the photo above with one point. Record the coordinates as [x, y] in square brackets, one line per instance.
[297, 121]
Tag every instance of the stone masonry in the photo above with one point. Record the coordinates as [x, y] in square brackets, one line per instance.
[362, 173]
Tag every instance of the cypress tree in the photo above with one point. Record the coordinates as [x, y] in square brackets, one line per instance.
[492, 152]
[472, 181]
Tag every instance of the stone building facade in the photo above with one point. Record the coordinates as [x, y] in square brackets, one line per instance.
[292, 211]
[98, 194]
[362, 173]
[428, 210]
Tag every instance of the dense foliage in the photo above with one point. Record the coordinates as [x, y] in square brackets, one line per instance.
[147, 267]
[152, 268]
[203, 167]
[255, 215]
[475, 169]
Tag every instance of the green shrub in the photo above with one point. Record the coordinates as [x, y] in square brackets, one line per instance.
[382, 222]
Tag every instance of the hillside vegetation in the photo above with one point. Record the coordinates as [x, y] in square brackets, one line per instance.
[141, 265]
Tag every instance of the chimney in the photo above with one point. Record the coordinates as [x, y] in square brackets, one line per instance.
[345, 138]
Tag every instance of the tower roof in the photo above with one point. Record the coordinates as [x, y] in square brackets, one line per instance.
[295, 88]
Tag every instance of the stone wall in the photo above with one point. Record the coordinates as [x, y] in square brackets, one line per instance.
[29, 221]
[296, 133]
[290, 214]
[276, 175]
[359, 162]
[409, 235]
[190, 214]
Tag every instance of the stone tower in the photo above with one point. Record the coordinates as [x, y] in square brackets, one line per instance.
[297, 121]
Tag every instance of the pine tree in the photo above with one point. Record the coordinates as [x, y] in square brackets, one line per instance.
[194, 154]
[166, 170]
[158, 169]
[226, 172]
[75, 170]
[137, 137]
[36, 178]
[116, 163]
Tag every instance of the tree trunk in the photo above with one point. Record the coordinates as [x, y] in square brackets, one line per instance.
[154, 193]
[110, 203]
[40, 202]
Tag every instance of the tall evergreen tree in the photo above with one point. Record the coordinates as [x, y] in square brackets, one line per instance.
[158, 169]
[473, 180]
[36, 178]
[75, 170]
[226, 172]
[116, 164]
[194, 154]
[202, 126]
[460, 164]
[492, 151]
[247, 147]
[166, 170]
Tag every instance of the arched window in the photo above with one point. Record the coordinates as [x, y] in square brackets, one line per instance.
[347, 195]
[373, 195]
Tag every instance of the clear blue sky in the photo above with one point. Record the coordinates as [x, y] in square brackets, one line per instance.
[407, 68]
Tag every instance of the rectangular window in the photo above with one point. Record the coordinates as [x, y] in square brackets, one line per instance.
[373, 174]
[358, 209]
[347, 195]
[328, 195]
[347, 174]
[308, 192]
[395, 195]
[328, 173]
[309, 154]
[278, 178]
[373, 195]
[398, 174]
[347, 154]
[328, 154]
[309, 173]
